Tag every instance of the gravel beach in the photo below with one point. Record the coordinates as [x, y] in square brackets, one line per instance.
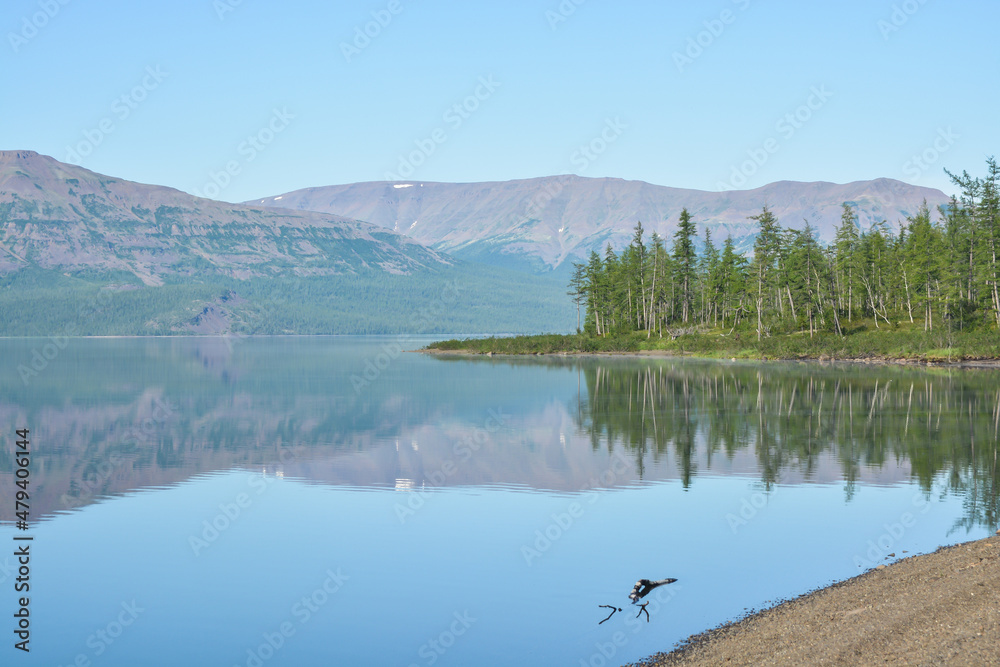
[941, 608]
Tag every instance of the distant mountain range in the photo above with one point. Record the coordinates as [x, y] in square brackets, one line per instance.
[543, 224]
[159, 261]
[63, 217]
[361, 258]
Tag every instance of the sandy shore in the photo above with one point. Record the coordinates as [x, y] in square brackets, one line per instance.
[941, 608]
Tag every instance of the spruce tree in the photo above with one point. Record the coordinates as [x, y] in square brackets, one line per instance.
[765, 253]
[685, 257]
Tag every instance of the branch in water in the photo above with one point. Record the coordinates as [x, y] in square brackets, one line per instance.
[613, 610]
[644, 586]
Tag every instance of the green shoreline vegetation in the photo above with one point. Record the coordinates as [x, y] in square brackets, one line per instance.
[930, 292]
[862, 345]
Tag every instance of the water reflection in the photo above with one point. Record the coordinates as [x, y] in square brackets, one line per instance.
[800, 417]
[110, 416]
[263, 468]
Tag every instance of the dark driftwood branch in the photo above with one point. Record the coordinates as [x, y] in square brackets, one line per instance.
[613, 610]
[643, 587]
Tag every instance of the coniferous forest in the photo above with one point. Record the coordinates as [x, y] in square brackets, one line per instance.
[939, 270]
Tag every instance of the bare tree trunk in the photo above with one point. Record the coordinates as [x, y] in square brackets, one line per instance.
[996, 294]
[652, 295]
[928, 322]
[760, 301]
[850, 292]
[909, 305]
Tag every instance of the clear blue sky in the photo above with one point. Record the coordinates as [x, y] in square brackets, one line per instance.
[926, 75]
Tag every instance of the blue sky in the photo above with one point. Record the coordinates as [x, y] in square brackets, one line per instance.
[241, 99]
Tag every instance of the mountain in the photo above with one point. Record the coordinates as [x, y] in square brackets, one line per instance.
[59, 216]
[84, 253]
[542, 224]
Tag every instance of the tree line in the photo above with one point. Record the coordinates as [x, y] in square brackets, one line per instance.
[935, 271]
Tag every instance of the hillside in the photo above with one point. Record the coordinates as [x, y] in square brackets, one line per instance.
[542, 224]
[58, 216]
[85, 253]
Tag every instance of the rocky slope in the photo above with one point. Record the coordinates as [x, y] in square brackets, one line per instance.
[543, 223]
[58, 216]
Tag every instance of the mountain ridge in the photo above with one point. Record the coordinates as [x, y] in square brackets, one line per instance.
[82, 253]
[540, 224]
[65, 217]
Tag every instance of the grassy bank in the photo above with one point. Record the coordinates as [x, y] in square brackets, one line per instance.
[864, 341]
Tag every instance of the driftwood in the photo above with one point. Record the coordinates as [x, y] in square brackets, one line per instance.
[613, 610]
[644, 587]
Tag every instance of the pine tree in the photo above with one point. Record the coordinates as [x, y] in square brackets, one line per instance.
[765, 254]
[578, 288]
[732, 280]
[923, 262]
[685, 257]
[633, 263]
[805, 266]
[656, 269]
[708, 269]
[595, 293]
[846, 244]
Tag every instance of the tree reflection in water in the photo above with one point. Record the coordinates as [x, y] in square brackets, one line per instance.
[790, 415]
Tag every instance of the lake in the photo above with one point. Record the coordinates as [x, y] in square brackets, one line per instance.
[334, 501]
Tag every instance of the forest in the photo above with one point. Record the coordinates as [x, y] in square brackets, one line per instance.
[938, 272]
[465, 298]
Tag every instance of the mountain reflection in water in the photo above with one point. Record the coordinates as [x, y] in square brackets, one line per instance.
[113, 416]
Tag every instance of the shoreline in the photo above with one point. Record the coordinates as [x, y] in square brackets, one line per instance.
[941, 607]
[990, 363]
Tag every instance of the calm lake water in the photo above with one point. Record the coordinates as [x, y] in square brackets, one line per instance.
[329, 501]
